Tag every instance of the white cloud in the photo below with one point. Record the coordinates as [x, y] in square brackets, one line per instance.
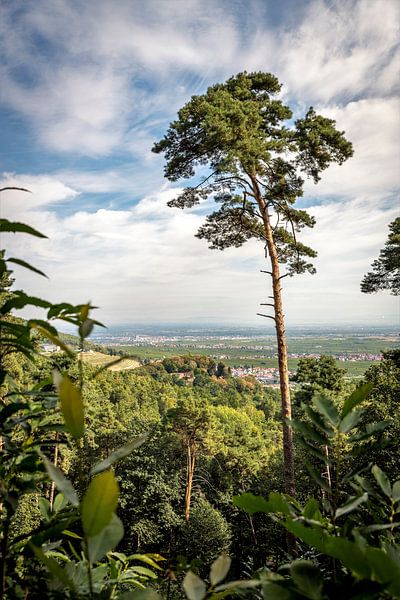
[106, 82]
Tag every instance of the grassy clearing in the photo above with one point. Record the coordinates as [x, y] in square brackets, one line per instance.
[98, 359]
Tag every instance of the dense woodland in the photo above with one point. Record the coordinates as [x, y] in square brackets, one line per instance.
[176, 480]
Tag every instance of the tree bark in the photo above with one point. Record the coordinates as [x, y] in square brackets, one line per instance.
[191, 461]
[279, 318]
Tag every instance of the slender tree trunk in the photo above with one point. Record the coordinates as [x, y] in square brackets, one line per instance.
[279, 318]
[191, 462]
[52, 485]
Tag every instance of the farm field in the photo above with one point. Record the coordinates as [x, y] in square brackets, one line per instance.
[353, 353]
[98, 359]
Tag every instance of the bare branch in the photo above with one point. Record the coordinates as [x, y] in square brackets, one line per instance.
[266, 316]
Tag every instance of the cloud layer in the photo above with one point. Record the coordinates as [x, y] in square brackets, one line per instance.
[92, 90]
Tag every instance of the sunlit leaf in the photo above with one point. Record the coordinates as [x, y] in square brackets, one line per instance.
[120, 453]
[106, 540]
[72, 407]
[62, 483]
[99, 503]
[194, 587]
[219, 569]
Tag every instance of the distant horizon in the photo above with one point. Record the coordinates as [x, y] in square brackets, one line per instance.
[392, 328]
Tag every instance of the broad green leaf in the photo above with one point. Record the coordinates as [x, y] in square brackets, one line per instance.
[15, 227]
[60, 502]
[308, 579]
[396, 491]
[19, 300]
[370, 430]
[312, 450]
[140, 595]
[351, 420]
[86, 328]
[240, 584]
[358, 396]
[120, 453]
[219, 569]
[251, 503]
[149, 559]
[99, 503]
[62, 483]
[351, 505]
[279, 504]
[72, 407]
[384, 569]
[44, 507]
[308, 432]
[194, 587]
[23, 263]
[106, 540]
[54, 568]
[274, 591]
[317, 420]
[141, 571]
[326, 408]
[383, 480]
[311, 508]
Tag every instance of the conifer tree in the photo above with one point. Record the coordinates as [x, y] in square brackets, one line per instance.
[250, 158]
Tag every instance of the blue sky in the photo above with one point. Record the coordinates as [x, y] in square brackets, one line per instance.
[88, 86]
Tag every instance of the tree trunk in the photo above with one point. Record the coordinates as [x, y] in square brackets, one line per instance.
[279, 318]
[191, 461]
[52, 485]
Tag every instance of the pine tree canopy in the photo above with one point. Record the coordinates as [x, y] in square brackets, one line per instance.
[240, 137]
[385, 274]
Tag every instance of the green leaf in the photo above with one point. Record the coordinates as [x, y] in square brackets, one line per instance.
[15, 227]
[326, 408]
[351, 420]
[311, 508]
[86, 328]
[44, 507]
[60, 502]
[358, 396]
[140, 595]
[396, 491]
[26, 265]
[317, 420]
[99, 503]
[274, 591]
[351, 505]
[72, 407]
[308, 432]
[308, 578]
[384, 568]
[195, 588]
[106, 540]
[120, 453]
[62, 483]
[382, 480]
[219, 569]
[54, 568]
[370, 430]
[251, 504]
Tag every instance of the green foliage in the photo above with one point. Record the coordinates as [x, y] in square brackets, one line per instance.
[239, 129]
[385, 274]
